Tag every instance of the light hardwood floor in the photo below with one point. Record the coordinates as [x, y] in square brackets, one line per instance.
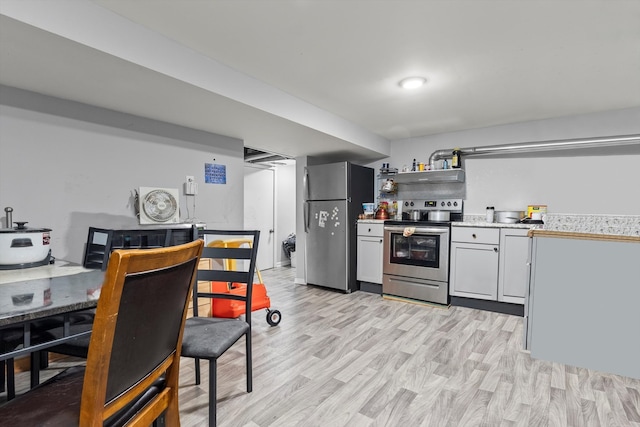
[361, 360]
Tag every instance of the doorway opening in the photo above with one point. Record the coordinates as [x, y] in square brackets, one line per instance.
[270, 203]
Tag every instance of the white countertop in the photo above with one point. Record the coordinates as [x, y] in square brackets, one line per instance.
[618, 225]
[470, 223]
[494, 225]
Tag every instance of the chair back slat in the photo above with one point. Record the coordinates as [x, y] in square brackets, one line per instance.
[223, 276]
[228, 253]
[233, 249]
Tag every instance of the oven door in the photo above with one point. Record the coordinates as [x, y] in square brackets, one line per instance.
[424, 254]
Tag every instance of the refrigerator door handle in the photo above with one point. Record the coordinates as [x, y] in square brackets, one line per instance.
[305, 213]
[305, 184]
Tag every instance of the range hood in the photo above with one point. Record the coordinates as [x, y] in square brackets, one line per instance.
[430, 177]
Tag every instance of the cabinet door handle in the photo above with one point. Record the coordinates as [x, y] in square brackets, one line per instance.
[474, 235]
[495, 249]
[369, 230]
[380, 240]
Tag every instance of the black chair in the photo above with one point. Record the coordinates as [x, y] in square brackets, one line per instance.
[209, 337]
[40, 331]
[78, 347]
[131, 375]
[10, 338]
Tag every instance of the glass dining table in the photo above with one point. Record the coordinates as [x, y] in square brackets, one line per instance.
[45, 292]
[35, 295]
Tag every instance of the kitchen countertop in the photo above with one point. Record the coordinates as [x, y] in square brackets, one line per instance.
[493, 225]
[614, 225]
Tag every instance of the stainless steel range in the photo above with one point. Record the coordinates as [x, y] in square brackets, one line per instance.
[416, 252]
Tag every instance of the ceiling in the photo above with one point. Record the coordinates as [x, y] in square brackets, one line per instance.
[320, 78]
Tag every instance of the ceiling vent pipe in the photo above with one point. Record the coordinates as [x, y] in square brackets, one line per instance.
[565, 144]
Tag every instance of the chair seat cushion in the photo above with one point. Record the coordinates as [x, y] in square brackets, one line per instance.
[209, 337]
[56, 402]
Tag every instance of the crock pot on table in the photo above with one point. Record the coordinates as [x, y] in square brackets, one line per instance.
[24, 247]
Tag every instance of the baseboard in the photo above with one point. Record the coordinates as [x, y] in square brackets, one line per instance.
[283, 264]
[496, 306]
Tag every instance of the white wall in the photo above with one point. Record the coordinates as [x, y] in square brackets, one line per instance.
[584, 182]
[68, 166]
[285, 208]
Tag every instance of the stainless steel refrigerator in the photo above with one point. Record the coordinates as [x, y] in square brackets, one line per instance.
[334, 194]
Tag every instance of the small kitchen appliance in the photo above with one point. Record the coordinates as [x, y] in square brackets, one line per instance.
[24, 247]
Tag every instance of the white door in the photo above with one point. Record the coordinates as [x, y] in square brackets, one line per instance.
[259, 211]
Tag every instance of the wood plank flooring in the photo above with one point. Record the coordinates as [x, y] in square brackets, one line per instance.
[361, 360]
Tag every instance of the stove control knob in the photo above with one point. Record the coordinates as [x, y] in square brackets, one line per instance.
[455, 203]
[406, 203]
[411, 203]
[448, 203]
[441, 203]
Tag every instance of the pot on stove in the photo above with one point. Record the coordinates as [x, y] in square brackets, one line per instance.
[439, 216]
[416, 215]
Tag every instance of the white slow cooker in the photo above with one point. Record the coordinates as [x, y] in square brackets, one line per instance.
[24, 247]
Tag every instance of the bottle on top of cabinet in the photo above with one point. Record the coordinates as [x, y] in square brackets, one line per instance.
[455, 159]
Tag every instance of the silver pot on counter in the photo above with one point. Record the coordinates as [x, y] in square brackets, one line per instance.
[508, 217]
[24, 247]
[416, 215]
[442, 216]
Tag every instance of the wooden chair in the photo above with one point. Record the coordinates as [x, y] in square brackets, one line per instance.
[209, 337]
[132, 368]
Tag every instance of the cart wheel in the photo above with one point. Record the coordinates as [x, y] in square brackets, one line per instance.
[273, 317]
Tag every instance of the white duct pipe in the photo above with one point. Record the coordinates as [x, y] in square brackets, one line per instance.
[565, 144]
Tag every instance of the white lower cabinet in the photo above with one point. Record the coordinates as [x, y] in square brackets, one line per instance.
[474, 262]
[369, 268]
[489, 263]
[513, 277]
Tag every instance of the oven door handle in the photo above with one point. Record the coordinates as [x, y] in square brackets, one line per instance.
[418, 230]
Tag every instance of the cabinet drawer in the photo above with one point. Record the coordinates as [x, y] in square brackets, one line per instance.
[374, 230]
[489, 236]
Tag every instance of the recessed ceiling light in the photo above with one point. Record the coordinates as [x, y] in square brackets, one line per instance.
[412, 82]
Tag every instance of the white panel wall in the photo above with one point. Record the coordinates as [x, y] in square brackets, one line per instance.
[585, 182]
[66, 173]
